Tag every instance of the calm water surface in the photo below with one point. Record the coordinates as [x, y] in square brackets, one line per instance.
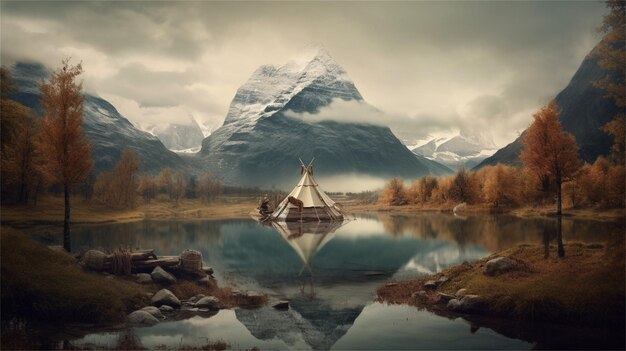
[330, 272]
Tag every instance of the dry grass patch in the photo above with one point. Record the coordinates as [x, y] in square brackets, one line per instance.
[43, 284]
[586, 287]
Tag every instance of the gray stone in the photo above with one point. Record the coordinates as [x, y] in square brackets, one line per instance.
[391, 284]
[443, 279]
[165, 297]
[461, 292]
[444, 298]
[144, 278]
[210, 302]
[160, 276]
[207, 270]
[420, 295]
[472, 304]
[467, 304]
[499, 265]
[454, 305]
[431, 284]
[281, 305]
[166, 309]
[196, 298]
[141, 318]
[154, 311]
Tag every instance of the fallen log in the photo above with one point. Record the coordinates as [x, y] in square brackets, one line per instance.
[164, 261]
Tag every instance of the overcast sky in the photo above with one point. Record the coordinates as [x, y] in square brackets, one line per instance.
[432, 67]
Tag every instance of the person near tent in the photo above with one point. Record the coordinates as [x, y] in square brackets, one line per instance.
[264, 206]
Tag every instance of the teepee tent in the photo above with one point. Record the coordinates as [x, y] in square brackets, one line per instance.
[307, 202]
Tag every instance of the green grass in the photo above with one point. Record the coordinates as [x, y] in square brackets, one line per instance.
[46, 285]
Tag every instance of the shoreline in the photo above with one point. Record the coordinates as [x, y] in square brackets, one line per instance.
[49, 212]
[585, 288]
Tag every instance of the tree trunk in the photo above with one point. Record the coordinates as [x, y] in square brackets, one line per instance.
[66, 221]
[558, 197]
[559, 237]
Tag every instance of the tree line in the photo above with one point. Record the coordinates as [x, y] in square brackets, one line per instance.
[551, 171]
[52, 153]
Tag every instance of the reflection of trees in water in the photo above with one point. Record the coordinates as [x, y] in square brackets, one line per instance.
[166, 237]
[496, 232]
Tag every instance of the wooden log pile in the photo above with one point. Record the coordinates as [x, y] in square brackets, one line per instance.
[140, 261]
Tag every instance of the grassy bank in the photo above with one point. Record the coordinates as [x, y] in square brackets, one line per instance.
[48, 285]
[586, 287]
[523, 212]
[49, 210]
[42, 284]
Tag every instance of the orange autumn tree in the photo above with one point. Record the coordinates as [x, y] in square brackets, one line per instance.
[548, 151]
[61, 142]
[612, 57]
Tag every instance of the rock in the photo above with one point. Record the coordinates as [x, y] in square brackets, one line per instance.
[207, 270]
[160, 276]
[154, 311]
[165, 297]
[149, 295]
[210, 302]
[472, 304]
[444, 298]
[454, 305]
[281, 305]
[391, 284]
[166, 309]
[196, 298]
[142, 318]
[443, 279]
[144, 278]
[254, 298]
[467, 304]
[431, 284]
[94, 259]
[421, 295]
[461, 292]
[237, 293]
[499, 265]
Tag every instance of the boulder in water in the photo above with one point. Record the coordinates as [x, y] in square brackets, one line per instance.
[165, 297]
[142, 318]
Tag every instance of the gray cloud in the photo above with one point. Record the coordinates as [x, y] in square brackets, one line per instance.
[438, 66]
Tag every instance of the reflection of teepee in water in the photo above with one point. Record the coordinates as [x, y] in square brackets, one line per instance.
[306, 238]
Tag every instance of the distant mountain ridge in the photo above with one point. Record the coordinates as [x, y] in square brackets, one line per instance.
[108, 131]
[259, 144]
[177, 136]
[465, 149]
[584, 110]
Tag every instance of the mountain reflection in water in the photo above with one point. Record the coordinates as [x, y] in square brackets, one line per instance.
[329, 272]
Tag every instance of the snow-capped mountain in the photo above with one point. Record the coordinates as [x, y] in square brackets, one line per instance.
[465, 149]
[259, 144]
[108, 131]
[177, 136]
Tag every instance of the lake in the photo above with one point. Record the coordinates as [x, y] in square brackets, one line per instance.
[329, 272]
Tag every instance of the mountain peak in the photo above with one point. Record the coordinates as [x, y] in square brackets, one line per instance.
[270, 89]
[311, 53]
